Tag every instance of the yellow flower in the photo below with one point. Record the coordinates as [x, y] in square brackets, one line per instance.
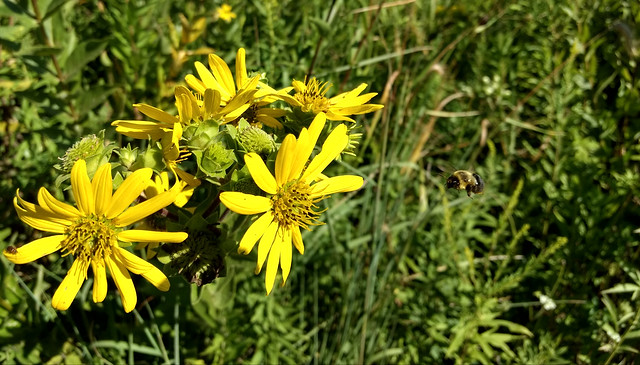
[221, 79]
[190, 110]
[293, 192]
[92, 232]
[224, 12]
[310, 98]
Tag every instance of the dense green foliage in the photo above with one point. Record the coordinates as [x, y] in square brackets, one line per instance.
[541, 98]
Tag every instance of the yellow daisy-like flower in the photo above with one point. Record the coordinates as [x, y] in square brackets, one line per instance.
[293, 192]
[220, 78]
[190, 110]
[92, 232]
[224, 12]
[310, 98]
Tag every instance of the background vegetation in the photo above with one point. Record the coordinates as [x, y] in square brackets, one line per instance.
[541, 98]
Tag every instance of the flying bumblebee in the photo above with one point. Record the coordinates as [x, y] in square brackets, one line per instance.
[466, 180]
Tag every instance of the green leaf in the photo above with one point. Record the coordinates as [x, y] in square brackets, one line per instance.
[53, 7]
[84, 53]
[87, 100]
[622, 288]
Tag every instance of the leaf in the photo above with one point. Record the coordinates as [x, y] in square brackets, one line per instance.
[53, 7]
[87, 100]
[513, 327]
[84, 53]
[622, 288]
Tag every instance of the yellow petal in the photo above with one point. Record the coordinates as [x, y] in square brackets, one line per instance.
[260, 173]
[269, 121]
[285, 159]
[338, 184]
[128, 191]
[297, 239]
[255, 231]
[285, 255]
[123, 281]
[332, 147]
[241, 68]
[359, 109]
[68, 289]
[157, 114]
[208, 80]
[195, 84]
[40, 219]
[141, 267]
[316, 127]
[100, 285]
[266, 242]
[290, 100]
[45, 199]
[81, 187]
[306, 144]
[102, 185]
[221, 72]
[139, 129]
[35, 249]
[145, 208]
[140, 235]
[302, 151]
[273, 261]
[242, 203]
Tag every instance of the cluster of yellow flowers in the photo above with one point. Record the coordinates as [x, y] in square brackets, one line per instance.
[224, 129]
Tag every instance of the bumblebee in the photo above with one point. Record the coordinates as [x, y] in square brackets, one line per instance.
[466, 180]
[12, 250]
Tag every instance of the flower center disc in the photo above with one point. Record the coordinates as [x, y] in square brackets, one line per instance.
[89, 238]
[293, 205]
[312, 98]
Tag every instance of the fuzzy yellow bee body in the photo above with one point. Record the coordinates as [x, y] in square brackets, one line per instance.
[466, 180]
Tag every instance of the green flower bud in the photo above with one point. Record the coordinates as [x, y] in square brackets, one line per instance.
[254, 139]
[200, 136]
[90, 148]
[215, 160]
[152, 158]
[128, 156]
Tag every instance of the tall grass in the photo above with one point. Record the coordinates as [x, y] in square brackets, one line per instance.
[541, 99]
